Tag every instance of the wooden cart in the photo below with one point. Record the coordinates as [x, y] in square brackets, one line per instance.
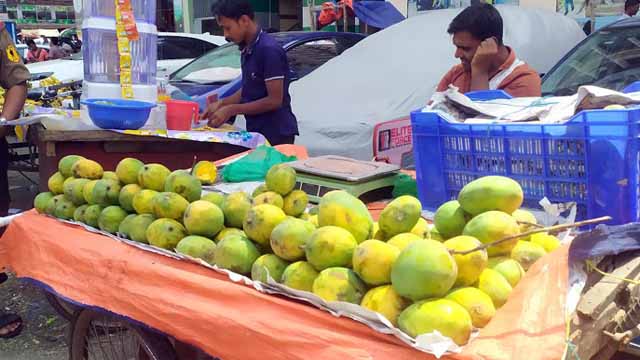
[109, 147]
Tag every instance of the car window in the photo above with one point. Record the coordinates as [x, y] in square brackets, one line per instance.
[307, 57]
[175, 47]
[609, 59]
[346, 42]
[209, 67]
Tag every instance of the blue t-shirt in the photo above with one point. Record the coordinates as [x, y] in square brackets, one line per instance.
[262, 61]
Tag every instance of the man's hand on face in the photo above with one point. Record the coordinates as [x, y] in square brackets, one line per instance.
[219, 117]
[484, 56]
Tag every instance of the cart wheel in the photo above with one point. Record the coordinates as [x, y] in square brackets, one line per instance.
[65, 309]
[96, 336]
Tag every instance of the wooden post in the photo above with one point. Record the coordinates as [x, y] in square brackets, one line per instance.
[592, 9]
[312, 17]
[346, 17]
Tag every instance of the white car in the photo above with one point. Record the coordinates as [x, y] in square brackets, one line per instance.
[174, 51]
[395, 71]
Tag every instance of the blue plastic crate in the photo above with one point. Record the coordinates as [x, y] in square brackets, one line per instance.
[592, 160]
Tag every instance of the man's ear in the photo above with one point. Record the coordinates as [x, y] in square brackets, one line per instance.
[244, 20]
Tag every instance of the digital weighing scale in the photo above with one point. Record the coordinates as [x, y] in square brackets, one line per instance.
[317, 176]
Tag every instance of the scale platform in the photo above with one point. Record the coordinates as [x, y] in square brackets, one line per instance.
[317, 176]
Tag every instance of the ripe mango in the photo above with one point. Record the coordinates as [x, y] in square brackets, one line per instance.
[92, 214]
[491, 193]
[143, 201]
[153, 176]
[372, 261]
[197, 247]
[165, 233]
[295, 203]
[56, 183]
[423, 270]
[126, 196]
[527, 253]
[235, 209]
[496, 286]
[139, 226]
[87, 169]
[269, 197]
[385, 301]
[446, 316]
[214, 198]
[127, 170]
[281, 178]
[78, 215]
[110, 219]
[511, 270]
[203, 218]
[260, 222]
[524, 218]
[492, 226]
[169, 205]
[339, 284]
[288, 239]
[400, 215]
[330, 246]
[548, 242]
[73, 191]
[339, 208]
[41, 200]
[268, 265]
[478, 304]
[300, 276]
[450, 219]
[206, 172]
[470, 265]
[66, 164]
[185, 185]
[236, 253]
[401, 241]
[106, 192]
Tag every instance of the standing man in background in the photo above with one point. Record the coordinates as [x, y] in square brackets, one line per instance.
[264, 98]
[631, 8]
[13, 78]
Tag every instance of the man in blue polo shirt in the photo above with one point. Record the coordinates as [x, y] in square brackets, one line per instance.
[264, 98]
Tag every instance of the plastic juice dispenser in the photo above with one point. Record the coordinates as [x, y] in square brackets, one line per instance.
[102, 58]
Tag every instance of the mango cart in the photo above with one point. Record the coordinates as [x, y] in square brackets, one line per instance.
[149, 305]
[194, 305]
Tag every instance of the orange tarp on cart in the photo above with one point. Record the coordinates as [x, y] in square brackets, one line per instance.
[232, 321]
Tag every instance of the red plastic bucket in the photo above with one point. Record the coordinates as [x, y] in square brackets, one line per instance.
[181, 114]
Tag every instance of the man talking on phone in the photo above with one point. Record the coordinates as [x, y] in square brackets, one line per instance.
[485, 62]
[264, 98]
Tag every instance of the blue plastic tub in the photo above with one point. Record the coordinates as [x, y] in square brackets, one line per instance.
[592, 160]
[118, 114]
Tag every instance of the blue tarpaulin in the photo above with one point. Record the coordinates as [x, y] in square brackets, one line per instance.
[604, 241]
[377, 13]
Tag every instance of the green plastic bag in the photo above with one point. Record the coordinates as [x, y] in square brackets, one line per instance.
[405, 185]
[255, 165]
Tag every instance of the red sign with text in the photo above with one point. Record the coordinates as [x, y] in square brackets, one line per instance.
[392, 139]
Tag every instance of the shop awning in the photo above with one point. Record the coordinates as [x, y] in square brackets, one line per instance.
[40, 32]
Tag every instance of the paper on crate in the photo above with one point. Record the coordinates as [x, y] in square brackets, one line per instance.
[456, 107]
